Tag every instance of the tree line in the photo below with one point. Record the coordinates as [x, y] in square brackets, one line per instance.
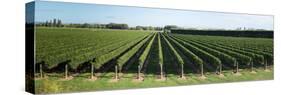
[58, 23]
[51, 23]
[233, 33]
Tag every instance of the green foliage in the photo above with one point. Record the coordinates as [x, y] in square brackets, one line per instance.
[124, 58]
[51, 23]
[169, 27]
[239, 57]
[145, 53]
[99, 46]
[114, 54]
[255, 57]
[207, 58]
[57, 45]
[225, 58]
[179, 59]
[160, 50]
[260, 56]
[190, 55]
[117, 26]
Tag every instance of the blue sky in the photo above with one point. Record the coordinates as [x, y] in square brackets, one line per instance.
[133, 16]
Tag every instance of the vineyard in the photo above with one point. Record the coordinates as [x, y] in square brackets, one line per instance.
[108, 58]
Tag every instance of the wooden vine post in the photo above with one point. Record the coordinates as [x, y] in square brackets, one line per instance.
[41, 71]
[265, 65]
[220, 72]
[116, 72]
[252, 66]
[161, 71]
[92, 71]
[138, 71]
[119, 72]
[237, 68]
[182, 72]
[202, 70]
[66, 71]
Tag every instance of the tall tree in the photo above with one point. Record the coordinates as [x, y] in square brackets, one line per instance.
[54, 22]
[46, 24]
[50, 23]
[59, 24]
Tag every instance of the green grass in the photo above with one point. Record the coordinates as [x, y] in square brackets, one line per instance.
[54, 83]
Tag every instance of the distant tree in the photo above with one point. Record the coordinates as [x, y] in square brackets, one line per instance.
[158, 28]
[117, 26]
[124, 26]
[150, 28]
[139, 27]
[96, 26]
[132, 28]
[145, 28]
[54, 23]
[239, 28]
[170, 27]
[46, 24]
[102, 26]
[167, 28]
[50, 23]
[86, 25]
[59, 24]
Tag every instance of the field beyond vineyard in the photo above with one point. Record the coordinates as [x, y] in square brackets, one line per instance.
[81, 59]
